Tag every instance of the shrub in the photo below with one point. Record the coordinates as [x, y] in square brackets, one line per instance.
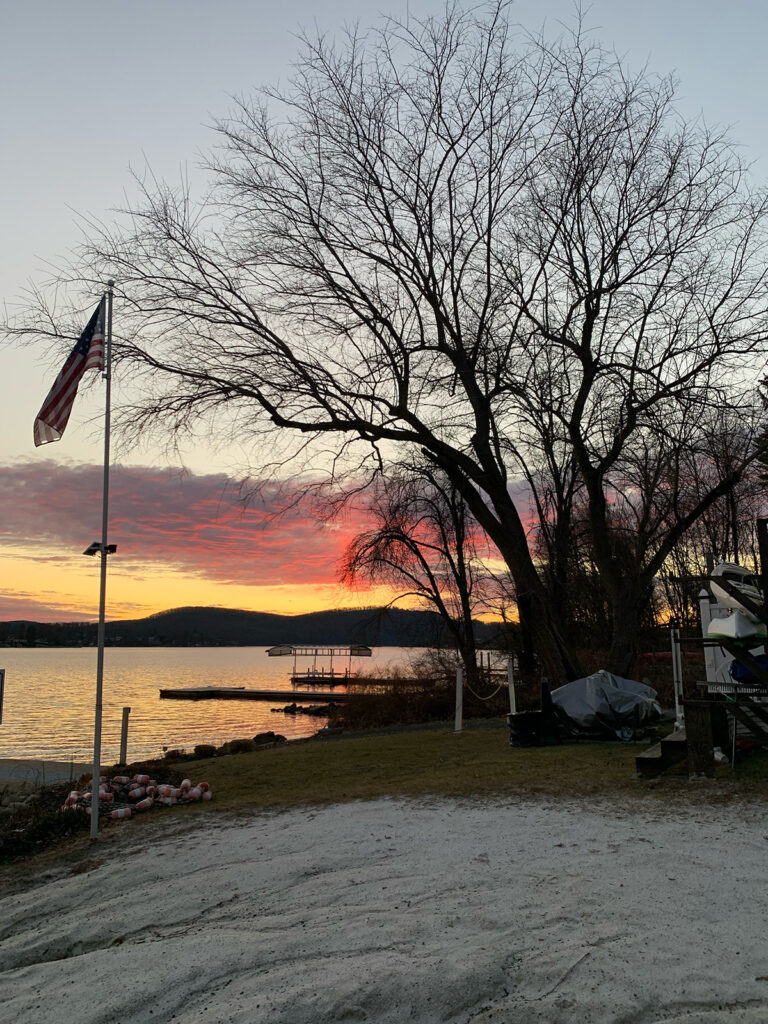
[23, 836]
[241, 746]
[264, 738]
[205, 750]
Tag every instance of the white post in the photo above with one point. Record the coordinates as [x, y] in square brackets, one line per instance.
[103, 583]
[459, 698]
[511, 685]
[677, 677]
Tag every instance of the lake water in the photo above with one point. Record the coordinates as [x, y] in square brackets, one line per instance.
[50, 694]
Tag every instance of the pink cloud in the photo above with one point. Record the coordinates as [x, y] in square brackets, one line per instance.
[195, 523]
[41, 608]
[29, 606]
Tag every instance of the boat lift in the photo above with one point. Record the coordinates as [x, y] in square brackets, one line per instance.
[325, 674]
[723, 705]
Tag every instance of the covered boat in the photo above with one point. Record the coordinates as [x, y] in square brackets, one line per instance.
[605, 705]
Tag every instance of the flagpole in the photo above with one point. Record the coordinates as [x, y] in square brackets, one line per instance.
[103, 583]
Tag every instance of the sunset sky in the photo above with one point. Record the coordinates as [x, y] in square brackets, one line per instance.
[91, 90]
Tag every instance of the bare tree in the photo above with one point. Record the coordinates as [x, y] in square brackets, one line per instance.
[433, 234]
[637, 267]
[424, 543]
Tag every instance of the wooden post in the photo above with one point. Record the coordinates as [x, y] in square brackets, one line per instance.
[698, 734]
[124, 737]
[721, 734]
[459, 698]
[762, 547]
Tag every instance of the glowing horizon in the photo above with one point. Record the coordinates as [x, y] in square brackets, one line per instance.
[182, 540]
[22, 600]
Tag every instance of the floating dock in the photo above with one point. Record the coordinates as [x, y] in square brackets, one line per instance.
[240, 693]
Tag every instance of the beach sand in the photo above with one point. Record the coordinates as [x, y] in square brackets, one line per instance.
[34, 774]
[389, 911]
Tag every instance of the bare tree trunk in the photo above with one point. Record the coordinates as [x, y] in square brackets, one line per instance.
[627, 625]
[538, 618]
[538, 614]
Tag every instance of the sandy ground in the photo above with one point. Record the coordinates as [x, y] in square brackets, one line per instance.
[32, 774]
[390, 911]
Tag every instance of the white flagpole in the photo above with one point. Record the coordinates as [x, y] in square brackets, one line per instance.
[103, 587]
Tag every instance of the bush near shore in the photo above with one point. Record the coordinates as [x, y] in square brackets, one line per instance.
[428, 693]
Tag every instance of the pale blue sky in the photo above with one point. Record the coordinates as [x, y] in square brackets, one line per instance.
[88, 89]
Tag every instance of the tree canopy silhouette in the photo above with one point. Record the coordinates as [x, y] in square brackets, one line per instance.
[448, 240]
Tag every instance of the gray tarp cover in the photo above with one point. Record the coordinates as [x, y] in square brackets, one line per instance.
[606, 701]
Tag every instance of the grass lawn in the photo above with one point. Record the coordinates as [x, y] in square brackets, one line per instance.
[478, 762]
[417, 764]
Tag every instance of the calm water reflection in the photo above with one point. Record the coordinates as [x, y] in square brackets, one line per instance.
[49, 697]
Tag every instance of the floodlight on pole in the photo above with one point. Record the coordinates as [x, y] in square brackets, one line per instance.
[107, 549]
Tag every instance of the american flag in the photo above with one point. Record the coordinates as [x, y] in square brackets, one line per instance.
[88, 354]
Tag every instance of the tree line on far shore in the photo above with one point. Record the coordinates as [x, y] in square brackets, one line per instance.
[231, 627]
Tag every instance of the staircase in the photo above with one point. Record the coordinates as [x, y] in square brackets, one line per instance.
[670, 752]
[753, 717]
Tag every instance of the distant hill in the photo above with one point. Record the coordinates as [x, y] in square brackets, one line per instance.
[228, 627]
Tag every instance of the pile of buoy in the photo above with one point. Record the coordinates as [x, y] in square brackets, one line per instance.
[123, 795]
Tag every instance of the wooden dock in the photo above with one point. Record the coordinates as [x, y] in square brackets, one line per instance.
[321, 678]
[240, 693]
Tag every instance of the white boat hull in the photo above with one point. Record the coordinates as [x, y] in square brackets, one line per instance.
[736, 626]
